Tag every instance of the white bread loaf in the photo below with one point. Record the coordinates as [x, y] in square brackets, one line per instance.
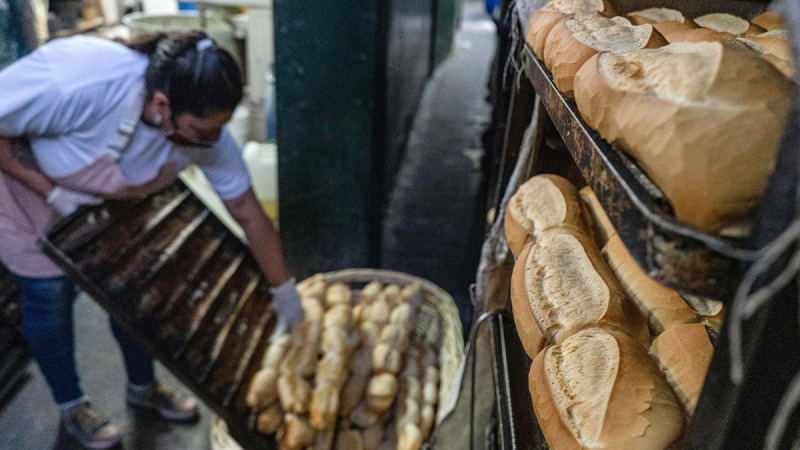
[768, 20]
[533, 341]
[684, 353]
[657, 15]
[663, 307]
[543, 19]
[603, 228]
[542, 202]
[601, 390]
[574, 40]
[728, 23]
[678, 109]
[570, 287]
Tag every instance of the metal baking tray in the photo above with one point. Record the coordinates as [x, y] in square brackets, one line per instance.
[671, 252]
[170, 273]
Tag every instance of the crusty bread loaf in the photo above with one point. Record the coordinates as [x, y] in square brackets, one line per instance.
[574, 40]
[601, 390]
[543, 19]
[677, 110]
[542, 202]
[603, 228]
[674, 32]
[727, 23]
[774, 47]
[662, 306]
[657, 15]
[570, 287]
[683, 353]
[530, 335]
[768, 20]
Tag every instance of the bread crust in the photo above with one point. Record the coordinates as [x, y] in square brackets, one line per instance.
[533, 341]
[603, 228]
[684, 353]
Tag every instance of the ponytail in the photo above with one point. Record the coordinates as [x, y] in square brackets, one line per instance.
[198, 77]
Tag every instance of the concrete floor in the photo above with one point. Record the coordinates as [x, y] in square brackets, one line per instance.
[433, 230]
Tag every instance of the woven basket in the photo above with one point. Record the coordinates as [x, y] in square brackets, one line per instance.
[437, 321]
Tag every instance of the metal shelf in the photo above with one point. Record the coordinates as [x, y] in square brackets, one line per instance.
[672, 253]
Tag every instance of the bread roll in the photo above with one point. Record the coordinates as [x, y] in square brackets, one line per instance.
[601, 390]
[657, 15]
[263, 390]
[313, 309]
[334, 340]
[409, 437]
[402, 315]
[572, 41]
[381, 392]
[684, 353]
[543, 19]
[727, 23]
[426, 418]
[324, 406]
[296, 433]
[302, 356]
[270, 419]
[364, 416]
[370, 333]
[395, 336]
[412, 294]
[276, 351]
[603, 228]
[662, 306]
[313, 287]
[332, 370]
[407, 412]
[385, 358]
[677, 109]
[337, 294]
[353, 393]
[570, 287]
[294, 393]
[533, 341]
[392, 294]
[370, 292]
[769, 21]
[349, 440]
[378, 311]
[339, 315]
[542, 202]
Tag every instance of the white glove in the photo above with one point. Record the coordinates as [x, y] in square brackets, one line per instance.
[67, 202]
[286, 301]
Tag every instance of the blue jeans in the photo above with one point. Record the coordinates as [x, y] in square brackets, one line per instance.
[47, 323]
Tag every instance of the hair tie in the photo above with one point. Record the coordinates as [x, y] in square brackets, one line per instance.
[203, 44]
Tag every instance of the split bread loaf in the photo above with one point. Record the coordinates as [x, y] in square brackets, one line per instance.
[663, 307]
[702, 119]
[674, 32]
[543, 19]
[601, 390]
[573, 40]
[542, 202]
[533, 341]
[684, 353]
[603, 228]
[570, 287]
[658, 15]
[728, 23]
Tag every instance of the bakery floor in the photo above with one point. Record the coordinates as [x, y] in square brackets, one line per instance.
[438, 196]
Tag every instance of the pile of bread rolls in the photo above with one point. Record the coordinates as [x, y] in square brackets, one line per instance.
[355, 374]
[700, 103]
[618, 359]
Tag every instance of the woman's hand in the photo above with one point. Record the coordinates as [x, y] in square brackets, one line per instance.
[286, 301]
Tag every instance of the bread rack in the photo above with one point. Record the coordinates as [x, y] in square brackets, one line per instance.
[728, 415]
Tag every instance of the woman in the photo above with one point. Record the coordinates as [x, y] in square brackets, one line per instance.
[104, 120]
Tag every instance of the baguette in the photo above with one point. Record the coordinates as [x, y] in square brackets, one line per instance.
[543, 19]
[426, 417]
[412, 294]
[332, 370]
[572, 41]
[603, 228]
[392, 294]
[542, 202]
[312, 287]
[570, 287]
[276, 351]
[649, 103]
[601, 390]
[533, 341]
[313, 309]
[663, 307]
[353, 393]
[340, 315]
[728, 23]
[684, 353]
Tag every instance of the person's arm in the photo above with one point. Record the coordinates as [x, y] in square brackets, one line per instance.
[29, 177]
[261, 235]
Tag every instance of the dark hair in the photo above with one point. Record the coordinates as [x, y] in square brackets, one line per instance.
[198, 80]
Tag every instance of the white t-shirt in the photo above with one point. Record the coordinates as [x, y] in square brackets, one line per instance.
[68, 98]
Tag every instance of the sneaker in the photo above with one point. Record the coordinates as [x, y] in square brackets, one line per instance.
[170, 404]
[90, 427]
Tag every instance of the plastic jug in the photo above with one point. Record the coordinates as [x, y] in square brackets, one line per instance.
[262, 162]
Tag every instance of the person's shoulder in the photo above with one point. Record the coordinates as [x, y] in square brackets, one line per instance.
[86, 61]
